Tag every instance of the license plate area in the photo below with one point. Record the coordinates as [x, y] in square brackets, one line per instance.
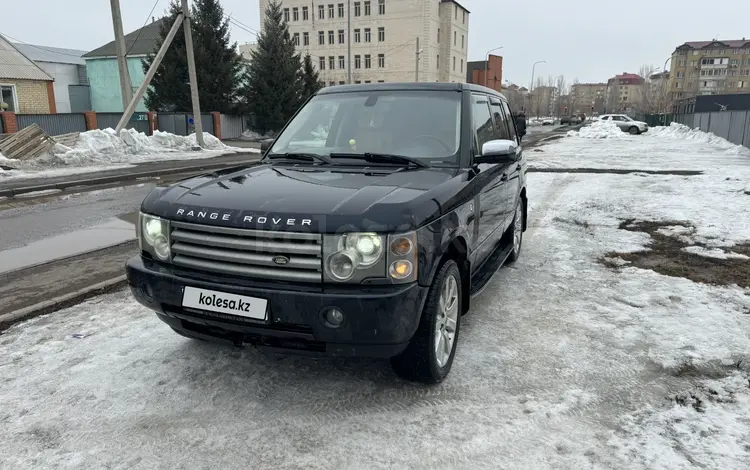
[225, 303]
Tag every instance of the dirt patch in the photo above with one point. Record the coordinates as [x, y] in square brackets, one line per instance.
[665, 255]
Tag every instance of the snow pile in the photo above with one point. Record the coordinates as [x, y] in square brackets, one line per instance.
[680, 131]
[105, 147]
[254, 136]
[599, 130]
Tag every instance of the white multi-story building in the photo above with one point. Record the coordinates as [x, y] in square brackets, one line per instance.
[384, 36]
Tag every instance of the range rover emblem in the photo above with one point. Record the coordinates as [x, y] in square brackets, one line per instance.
[281, 260]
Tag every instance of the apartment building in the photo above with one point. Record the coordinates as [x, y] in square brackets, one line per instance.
[587, 97]
[624, 92]
[710, 68]
[383, 37]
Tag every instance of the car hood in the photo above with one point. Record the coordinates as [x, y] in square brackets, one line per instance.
[310, 198]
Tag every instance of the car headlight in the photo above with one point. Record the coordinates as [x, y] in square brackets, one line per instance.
[356, 257]
[153, 236]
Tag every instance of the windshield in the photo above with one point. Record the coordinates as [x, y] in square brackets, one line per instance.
[424, 125]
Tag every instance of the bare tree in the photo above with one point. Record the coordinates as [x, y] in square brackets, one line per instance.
[648, 93]
[573, 102]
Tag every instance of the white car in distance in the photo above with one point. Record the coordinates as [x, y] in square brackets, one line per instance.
[626, 123]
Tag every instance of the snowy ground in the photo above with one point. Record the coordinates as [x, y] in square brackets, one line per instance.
[103, 150]
[563, 363]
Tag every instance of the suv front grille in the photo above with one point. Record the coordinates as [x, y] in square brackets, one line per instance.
[248, 253]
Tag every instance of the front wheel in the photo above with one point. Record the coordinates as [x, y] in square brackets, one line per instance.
[517, 232]
[429, 356]
[634, 130]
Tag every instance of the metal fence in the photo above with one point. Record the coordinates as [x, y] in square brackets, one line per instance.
[53, 124]
[731, 125]
[138, 121]
[2, 130]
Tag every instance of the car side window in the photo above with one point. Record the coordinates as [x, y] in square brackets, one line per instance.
[501, 120]
[511, 123]
[604, 118]
[482, 121]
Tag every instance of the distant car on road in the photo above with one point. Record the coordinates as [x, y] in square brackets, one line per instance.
[548, 121]
[626, 123]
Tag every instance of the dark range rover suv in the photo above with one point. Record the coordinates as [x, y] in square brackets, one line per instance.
[366, 228]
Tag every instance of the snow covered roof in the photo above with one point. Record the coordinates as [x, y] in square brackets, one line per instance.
[16, 66]
[143, 43]
[55, 55]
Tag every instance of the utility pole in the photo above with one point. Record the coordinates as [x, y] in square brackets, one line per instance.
[191, 73]
[122, 63]
[348, 41]
[416, 68]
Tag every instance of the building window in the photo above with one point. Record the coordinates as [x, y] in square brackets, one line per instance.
[341, 36]
[681, 63]
[322, 63]
[321, 37]
[342, 62]
[463, 42]
[357, 36]
[745, 72]
[381, 34]
[306, 38]
[454, 63]
[741, 84]
[438, 35]
[357, 9]
[462, 66]
[305, 14]
[8, 96]
[342, 82]
[286, 14]
[454, 38]
[321, 12]
[381, 81]
[357, 62]
[341, 10]
[381, 7]
[734, 62]
[331, 83]
[455, 16]
[368, 36]
[331, 62]
[368, 81]
[295, 14]
[357, 81]
[381, 61]
[736, 51]
[438, 61]
[368, 61]
[464, 17]
[367, 7]
[330, 37]
[296, 39]
[330, 10]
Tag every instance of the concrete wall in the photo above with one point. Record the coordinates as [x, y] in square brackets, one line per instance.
[64, 75]
[104, 83]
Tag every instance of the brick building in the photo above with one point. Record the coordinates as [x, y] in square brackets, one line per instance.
[624, 92]
[487, 73]
[24, 87]
[383, 38]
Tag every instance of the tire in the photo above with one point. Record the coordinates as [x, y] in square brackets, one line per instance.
[420, 362]
[517, 231]
[634, 130]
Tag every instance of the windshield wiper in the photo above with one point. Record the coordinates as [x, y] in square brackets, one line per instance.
[381, 158]
[300, 156]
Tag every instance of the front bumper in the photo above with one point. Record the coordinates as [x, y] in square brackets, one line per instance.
[379, 320]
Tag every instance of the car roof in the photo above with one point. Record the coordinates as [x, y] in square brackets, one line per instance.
[409, 86]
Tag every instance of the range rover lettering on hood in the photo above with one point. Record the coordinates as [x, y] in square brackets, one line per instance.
[226, 216]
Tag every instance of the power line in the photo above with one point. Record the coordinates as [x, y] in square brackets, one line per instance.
[239, 25]
[242, 25]
[39, 47]
[141, 28]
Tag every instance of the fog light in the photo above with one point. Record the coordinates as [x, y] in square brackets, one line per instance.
[334, 317]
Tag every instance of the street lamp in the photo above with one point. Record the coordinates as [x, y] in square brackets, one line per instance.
[531, 87]
[486, 62]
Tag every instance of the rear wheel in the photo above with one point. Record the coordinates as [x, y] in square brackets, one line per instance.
[429, 356]
[634, 130]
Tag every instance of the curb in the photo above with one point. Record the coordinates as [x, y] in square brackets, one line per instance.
[117, 178]
[61, 302]
[63, 258]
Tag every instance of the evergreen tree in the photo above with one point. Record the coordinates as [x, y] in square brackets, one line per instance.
[310, 78]
[274, 85]
[218, 65]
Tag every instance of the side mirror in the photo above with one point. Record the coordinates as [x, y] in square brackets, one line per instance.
[265, 144]
[497, 151]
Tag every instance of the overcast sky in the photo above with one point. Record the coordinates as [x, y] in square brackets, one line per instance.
[591, 40]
